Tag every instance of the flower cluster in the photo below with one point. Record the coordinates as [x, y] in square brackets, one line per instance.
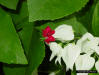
[71, 53]
[48, 34]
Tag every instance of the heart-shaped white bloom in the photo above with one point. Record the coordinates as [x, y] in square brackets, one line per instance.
[64, 33]
[56, 51]
[88, 43]
[84, 62]
[97, 65]
[70, 54]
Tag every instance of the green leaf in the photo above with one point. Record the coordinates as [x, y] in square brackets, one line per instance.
[53, 9]
[14, 70]
[36, 53]
[20, 16]
[12, 4]
[71, 20]
[11, 50]
[95, 21]
[35, 72]
[34, 49]
[73, 73]
[85, 15]
[25, 36]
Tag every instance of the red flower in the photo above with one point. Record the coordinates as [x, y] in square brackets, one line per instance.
[47, 33]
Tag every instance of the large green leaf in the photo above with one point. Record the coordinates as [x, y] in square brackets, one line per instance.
[36, 52]
[12, 4]
[53, 9]
[95, 21]
[70, 20]
[34, 49]
[25, 36]
[11, 50]
[20, 16]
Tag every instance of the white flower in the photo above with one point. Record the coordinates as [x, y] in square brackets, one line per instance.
[64, 33]
[56, 51]
[70, 54]
[97, 65]
[88, 44]
[84, 62]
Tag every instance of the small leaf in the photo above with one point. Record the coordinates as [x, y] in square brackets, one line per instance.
[11, 50]
[12, 4]
[54, 9]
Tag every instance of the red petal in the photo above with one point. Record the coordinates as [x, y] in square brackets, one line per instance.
[44, 33]
[52, 32]
[47, 32]
[50, 39]
[47, 41]
[47, 28]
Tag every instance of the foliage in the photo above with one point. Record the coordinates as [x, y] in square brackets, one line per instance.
[22, 49]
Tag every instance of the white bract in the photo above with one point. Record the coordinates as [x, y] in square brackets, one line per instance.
[84, 62]
[70, 54]
[64, 33]
[56, 51]
[88, 44]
